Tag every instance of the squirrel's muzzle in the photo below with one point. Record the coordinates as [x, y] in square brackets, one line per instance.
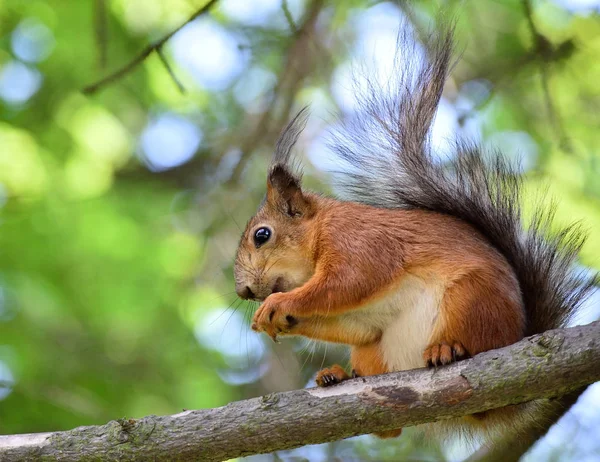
[259, 291]
[245, 293]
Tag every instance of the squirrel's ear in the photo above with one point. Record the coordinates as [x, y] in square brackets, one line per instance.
[284, 191]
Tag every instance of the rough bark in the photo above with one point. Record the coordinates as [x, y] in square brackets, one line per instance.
[543, 366]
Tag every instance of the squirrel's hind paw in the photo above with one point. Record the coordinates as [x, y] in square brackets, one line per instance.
[330, 376]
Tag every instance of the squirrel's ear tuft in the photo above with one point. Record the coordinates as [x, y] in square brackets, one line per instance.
[283, 183]
[284, 191]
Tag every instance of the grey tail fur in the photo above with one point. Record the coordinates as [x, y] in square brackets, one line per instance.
[387, 161]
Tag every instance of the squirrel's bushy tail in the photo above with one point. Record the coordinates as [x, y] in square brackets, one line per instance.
[387, 161]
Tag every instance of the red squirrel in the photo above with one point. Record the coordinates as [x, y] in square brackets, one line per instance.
[418, 263]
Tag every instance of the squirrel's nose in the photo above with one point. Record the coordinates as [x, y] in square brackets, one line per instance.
[245, 292]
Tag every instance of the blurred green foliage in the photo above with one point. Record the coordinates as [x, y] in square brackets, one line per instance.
[116, 275]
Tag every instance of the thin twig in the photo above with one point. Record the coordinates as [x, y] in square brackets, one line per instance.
[288, 16]
[544, 48]
[101, 28]
[127, 68]
[163, 58]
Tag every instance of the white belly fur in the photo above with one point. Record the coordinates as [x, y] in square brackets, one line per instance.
[406, 316]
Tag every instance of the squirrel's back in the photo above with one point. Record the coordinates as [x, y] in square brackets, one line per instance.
[387, 161]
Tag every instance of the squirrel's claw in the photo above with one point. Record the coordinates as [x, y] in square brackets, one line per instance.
[440, 354]
[331, 376]
[273, 318]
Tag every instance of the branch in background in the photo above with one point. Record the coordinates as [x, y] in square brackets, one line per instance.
[101, 23]
[297, 66]
[540, 367]
[544, 48]
[163, 59]
[127, 68]
[288, 16]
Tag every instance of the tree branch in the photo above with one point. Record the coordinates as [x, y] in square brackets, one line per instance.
[540, 367]
[101, 26]
[288, 16]
[544, 49]
[127, 68]
[297, 65]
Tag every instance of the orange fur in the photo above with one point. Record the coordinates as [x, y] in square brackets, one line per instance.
[335, 329]
[367, 360]
[481, 313]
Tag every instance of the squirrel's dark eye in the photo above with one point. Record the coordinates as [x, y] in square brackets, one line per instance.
[261, 235]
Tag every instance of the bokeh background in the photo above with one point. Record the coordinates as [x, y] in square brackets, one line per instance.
[121, 207]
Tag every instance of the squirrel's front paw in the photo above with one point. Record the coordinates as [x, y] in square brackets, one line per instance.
[272, 317]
